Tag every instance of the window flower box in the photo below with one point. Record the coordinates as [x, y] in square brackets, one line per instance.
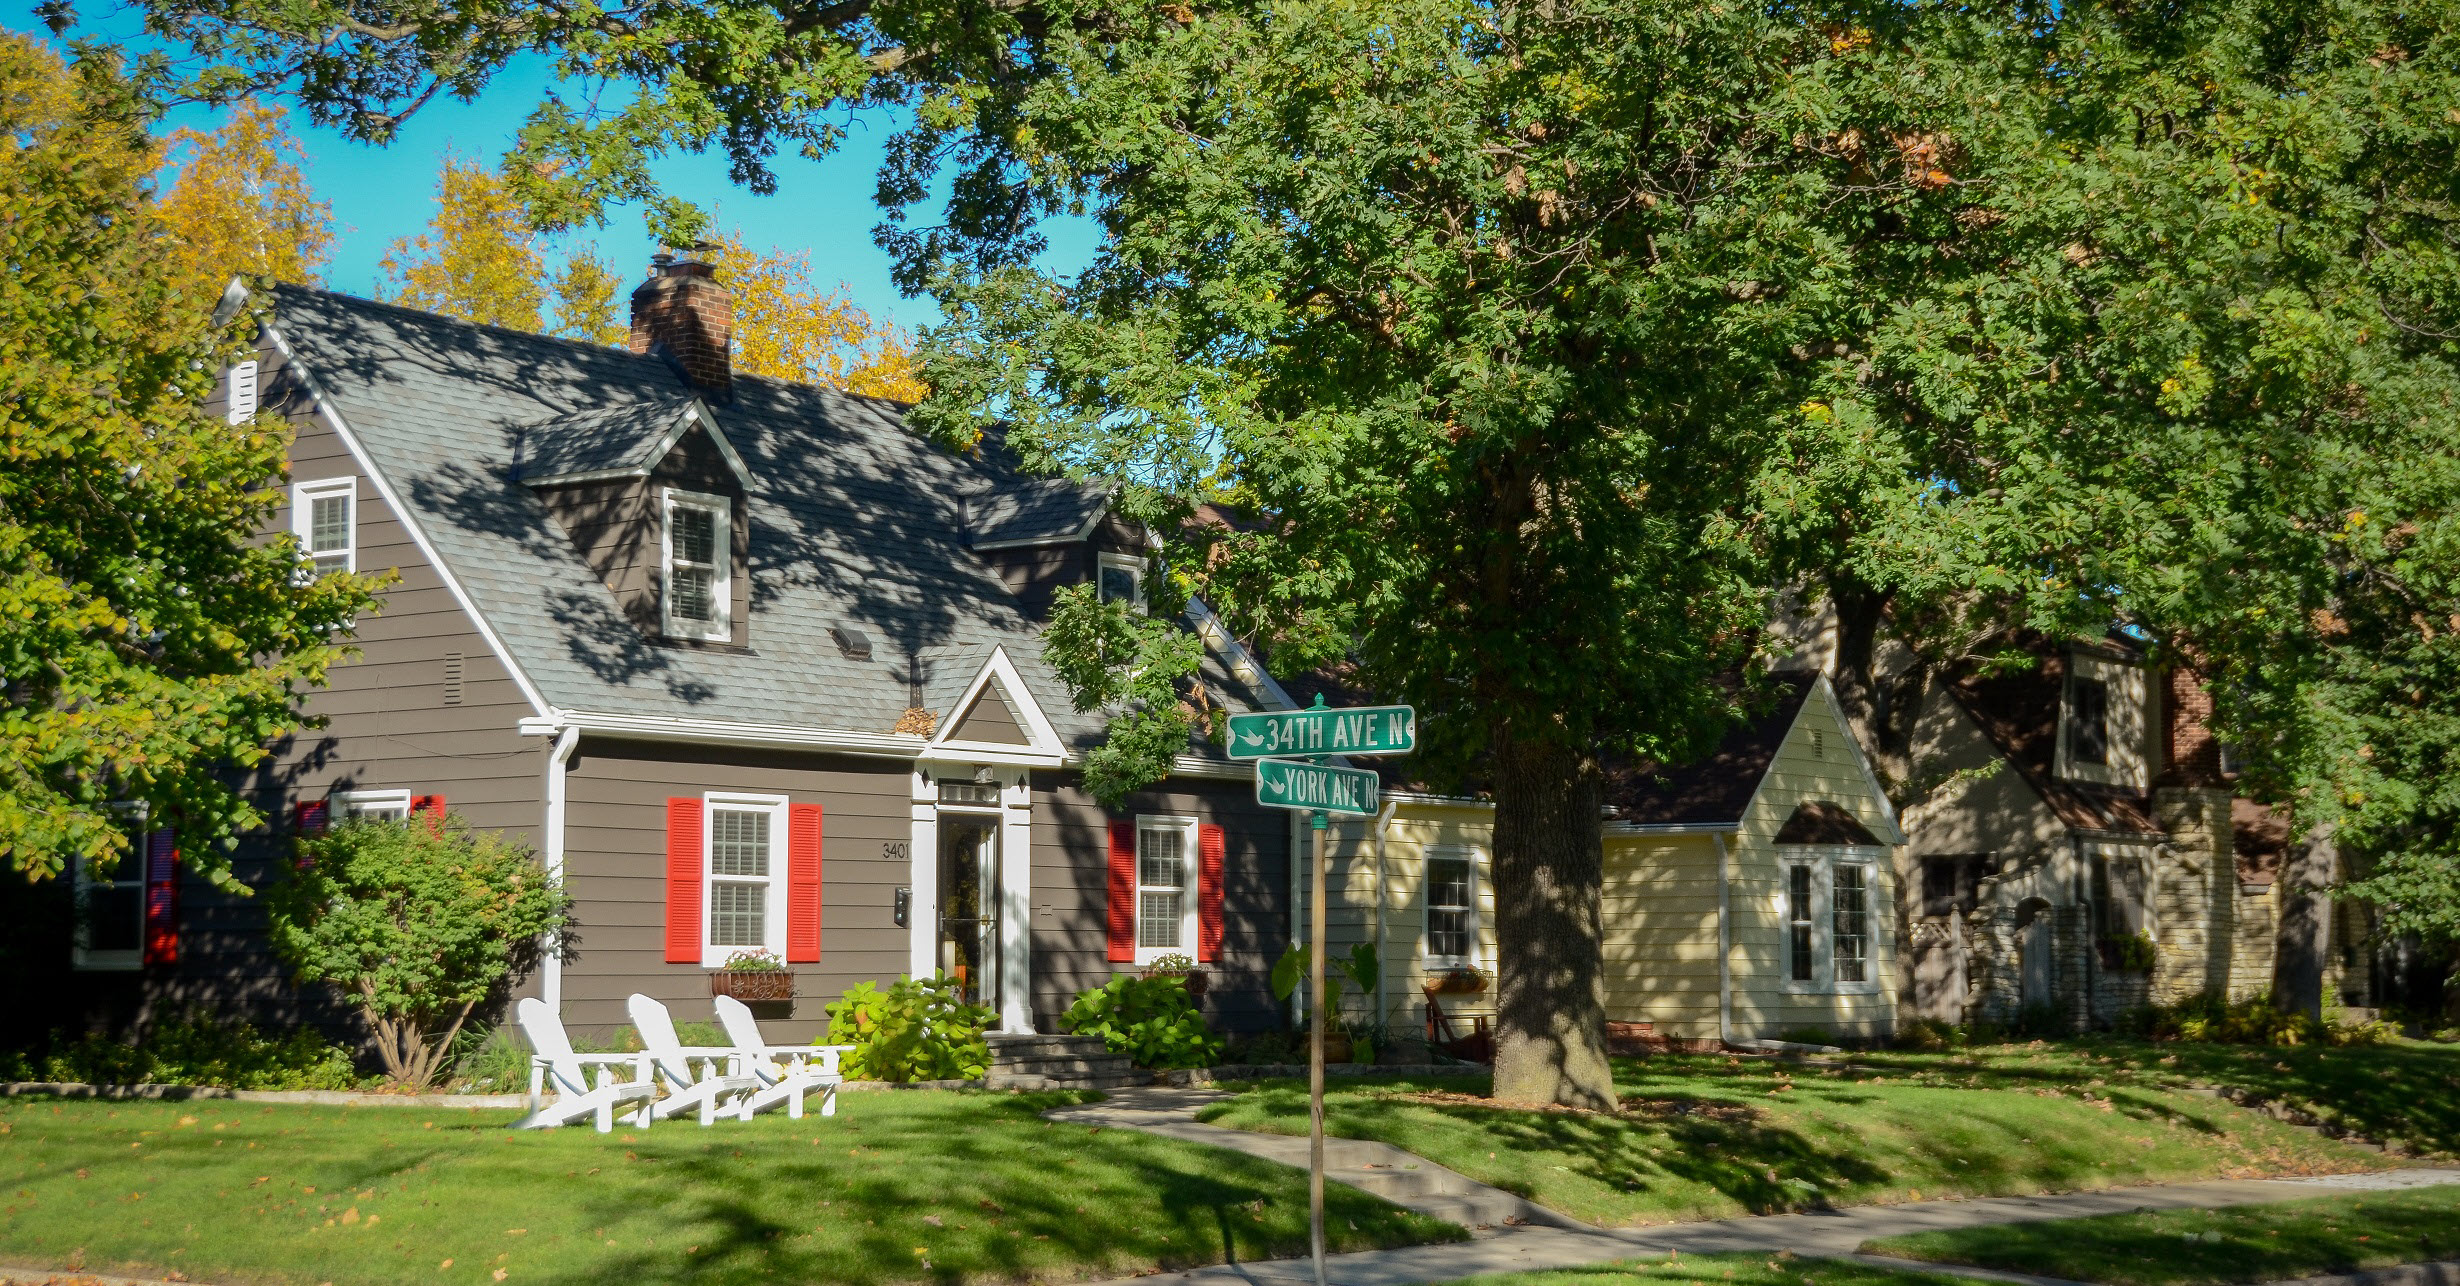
[1458, 982]
[753, 975]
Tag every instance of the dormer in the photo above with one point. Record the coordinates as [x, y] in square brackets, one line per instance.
[2106, 719]
[656, 501]
[1044, 534]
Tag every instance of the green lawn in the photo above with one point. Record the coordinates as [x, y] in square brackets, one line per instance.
[906, 1186]
[1710, 1137]
[2406, 1092]
[1721, 1270]
[2211, 1247]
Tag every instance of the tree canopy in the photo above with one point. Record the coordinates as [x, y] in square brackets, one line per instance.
[241, 204]
[149, 640]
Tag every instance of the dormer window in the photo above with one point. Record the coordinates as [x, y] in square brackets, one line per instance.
[2088, 722]
[698, 546]
[323, 516]
[1122, 577]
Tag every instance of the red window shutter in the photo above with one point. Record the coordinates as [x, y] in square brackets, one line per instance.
[1123, 891]
[684, 820]
[430, 807]
[803, 884]
[161, 899]
[309, 816]
[1209, 846]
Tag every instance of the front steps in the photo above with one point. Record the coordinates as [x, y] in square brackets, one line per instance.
[1059, 1063]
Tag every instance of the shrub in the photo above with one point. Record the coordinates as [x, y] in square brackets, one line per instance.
[1928, 1036]
[416, 921]
[200, 1051]
[2210, 1019]
[1153, 1021]
[2130, 952]
[914, 1031]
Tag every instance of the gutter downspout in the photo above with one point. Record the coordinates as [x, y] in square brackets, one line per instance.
[559, 755]
[1725, 945]
[1383, 822]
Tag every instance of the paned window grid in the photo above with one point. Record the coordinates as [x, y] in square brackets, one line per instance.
[329, 533]
[694, 574]
[739, 877]
[111, 904]
[1798, 922]
[1853, 925]
[1161, 879]
[1449, 915]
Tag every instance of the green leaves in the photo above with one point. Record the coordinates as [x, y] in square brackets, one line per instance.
[1154, 1021]
[1113, 657]
[415, 922]
[150, 642]
[917, 1030]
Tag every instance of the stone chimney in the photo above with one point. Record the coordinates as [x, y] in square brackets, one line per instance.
[683, 315]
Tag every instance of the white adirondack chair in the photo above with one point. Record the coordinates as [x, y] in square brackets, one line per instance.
[622, 1078]
[787, 1072]
[703, 1080]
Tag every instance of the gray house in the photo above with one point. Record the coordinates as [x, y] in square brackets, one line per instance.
[751, 665]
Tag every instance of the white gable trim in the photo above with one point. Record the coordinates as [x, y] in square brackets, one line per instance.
[1241, 663]
[408, 519]
[1044, 749]
[1895, 831]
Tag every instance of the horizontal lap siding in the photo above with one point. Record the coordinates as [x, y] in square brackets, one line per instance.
[1805, 771]
[386, 727]
[1660, 946]
[615, 868]
[1071, 896]
[1354, 889]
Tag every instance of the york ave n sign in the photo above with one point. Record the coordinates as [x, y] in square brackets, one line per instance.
[1288, 783]
[1358, 730]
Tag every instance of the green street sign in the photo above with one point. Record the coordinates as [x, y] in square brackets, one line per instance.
[1287, 783]
[1358, 730]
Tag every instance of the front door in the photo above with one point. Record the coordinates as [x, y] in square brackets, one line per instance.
[969, 905]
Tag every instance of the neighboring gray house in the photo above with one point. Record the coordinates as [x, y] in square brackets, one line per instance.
[751, 664]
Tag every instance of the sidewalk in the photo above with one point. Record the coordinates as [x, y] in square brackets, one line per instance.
[1557, 1242]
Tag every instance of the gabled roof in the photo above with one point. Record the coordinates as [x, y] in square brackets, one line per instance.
[615, 442]
[853, 520]
[2019, 711]
[1716, 789]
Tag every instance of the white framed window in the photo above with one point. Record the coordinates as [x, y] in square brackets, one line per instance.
[110, 929]
[743, 876]
[324, 515]
[1451, 908]
[1121, 576]
[697, 556]
[242, 399]
[1825, 900]
[1165, 887]
[371, 805]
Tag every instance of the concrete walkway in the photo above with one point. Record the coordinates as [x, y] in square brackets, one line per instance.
[1545, 1240]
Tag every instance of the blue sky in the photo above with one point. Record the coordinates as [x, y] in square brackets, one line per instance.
[824, 207]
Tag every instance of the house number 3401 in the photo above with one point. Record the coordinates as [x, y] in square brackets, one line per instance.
[893, 850]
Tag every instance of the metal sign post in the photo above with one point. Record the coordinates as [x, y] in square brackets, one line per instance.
[1319, 789]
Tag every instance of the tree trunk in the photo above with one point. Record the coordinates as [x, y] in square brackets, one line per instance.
[2304, 943]
[1884, 727]
[1550, 987]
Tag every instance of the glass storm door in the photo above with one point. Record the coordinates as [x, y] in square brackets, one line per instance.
[969, 905]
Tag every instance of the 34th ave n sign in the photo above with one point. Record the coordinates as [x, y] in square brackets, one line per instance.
[1357, 730]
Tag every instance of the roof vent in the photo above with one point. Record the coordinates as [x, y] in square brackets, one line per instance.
[850, 642]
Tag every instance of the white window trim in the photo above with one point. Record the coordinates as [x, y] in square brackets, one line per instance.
[303, 498]
[773, 936]
[720, 628]
[131, 870]
[1426, 906]
[393, 805]
[1824, 860]
[1188, 881]
[1132, 563]
[241, 391]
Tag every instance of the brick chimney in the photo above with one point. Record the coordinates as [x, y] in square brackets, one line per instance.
[683, 315]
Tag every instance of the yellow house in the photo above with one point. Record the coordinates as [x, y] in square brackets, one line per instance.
[1748, 897]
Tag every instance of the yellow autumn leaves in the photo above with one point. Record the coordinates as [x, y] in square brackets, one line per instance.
[240, 203]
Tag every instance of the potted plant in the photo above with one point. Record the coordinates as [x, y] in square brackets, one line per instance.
[1182, 968]
[1361, 967]
[753, 975]
[1463, 981]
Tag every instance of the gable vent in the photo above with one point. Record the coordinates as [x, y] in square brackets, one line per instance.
[851, 642]
[243, 392]
[452, 678]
